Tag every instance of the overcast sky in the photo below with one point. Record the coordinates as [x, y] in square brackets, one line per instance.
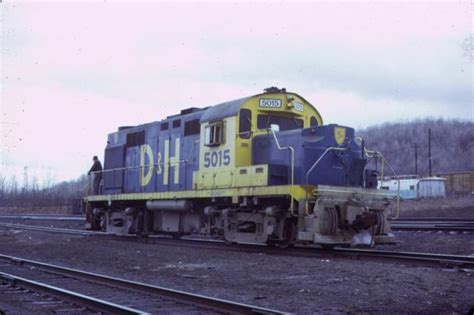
[73, 72]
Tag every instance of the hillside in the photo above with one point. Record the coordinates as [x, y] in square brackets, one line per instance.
[452, 145]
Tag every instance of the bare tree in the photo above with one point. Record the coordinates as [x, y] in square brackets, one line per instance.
[452, 144]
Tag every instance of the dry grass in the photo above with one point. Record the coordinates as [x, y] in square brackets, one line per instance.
[36, 210]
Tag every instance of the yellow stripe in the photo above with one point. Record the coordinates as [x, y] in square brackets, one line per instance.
[298, 193]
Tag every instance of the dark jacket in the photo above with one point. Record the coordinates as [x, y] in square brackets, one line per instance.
[96, 167]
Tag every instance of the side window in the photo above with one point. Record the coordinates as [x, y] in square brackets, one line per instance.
[313, 121]
[192, 127]
[214, 134]
[245, 123]
[135, 139]
[176, 123]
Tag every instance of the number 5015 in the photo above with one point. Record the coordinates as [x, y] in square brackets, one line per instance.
[217, 158]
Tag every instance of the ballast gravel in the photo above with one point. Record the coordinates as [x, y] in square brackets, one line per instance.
[292, 284]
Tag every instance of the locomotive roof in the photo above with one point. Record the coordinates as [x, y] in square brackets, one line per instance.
[222, 110]
[232, 108]
[211, 113]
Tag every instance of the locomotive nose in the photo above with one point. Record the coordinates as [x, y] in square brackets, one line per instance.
[332, 156]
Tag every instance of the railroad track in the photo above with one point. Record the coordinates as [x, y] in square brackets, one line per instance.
[51, 229]
[113, 295]
[48, 217]
[425, 259]
[433, 224]
[85, 303]
[18, 300]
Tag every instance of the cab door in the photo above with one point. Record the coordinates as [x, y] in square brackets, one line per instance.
[243, 154]
[217, 154]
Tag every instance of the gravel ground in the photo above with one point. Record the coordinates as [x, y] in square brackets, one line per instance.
[445, 242]
[300, 285]
[17, 301]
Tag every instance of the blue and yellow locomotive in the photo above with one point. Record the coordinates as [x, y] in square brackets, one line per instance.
[261, 169]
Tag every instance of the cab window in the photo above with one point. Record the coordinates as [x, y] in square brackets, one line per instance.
[245, 123]
[313, 121]
[284, 123]
[214, 134]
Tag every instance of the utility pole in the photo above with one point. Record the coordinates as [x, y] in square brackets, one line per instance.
[429, 149]
[416, 146]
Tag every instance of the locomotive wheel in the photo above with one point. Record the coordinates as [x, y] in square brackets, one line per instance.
[289, 235]
[96, 223]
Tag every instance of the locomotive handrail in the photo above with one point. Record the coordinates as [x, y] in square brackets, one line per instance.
[314, 165]
[148, 165]
[377, 154]
[367, 154]
[186, 161]
[348, 192]
[319, 160]
[190, 153]
[292, 150]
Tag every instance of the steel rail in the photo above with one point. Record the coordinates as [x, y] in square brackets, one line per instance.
[426, 259]
[43, 217]
[180, 296]
[465, 223]
[70, 296]
[307, 251]
[416, 219]
[399, 224]
[423, 258]
[50, 229]
[414, 227]
[439, 224]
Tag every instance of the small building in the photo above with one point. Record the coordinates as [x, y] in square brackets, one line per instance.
[408, 185]
[432, 187]
[412, 187]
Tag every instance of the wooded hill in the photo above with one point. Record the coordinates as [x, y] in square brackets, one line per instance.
[452, 145]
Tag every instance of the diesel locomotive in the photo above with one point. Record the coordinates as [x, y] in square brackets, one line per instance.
[260, 169]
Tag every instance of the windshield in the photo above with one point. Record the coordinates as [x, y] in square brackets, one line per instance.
[284, 123]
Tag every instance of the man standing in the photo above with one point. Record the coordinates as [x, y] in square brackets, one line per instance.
[96, 171]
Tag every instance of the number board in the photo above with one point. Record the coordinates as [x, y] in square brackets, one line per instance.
[298, 106]
[270, 103]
